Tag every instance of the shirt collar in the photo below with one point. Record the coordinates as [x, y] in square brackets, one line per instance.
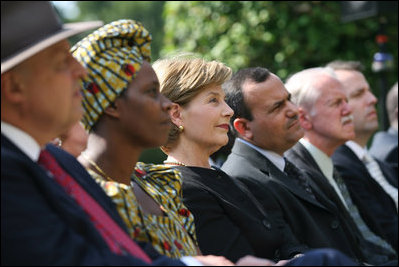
[22, 140]
[275, 158]
[357, 149]
[322, 159]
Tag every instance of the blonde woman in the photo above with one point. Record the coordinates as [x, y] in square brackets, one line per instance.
[228, 220]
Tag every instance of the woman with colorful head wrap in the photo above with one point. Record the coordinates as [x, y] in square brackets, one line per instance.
[125, 114]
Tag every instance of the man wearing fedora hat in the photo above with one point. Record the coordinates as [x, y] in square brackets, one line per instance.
[52, 211]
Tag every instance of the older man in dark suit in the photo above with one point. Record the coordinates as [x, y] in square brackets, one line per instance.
[321, 98]
[266, 123]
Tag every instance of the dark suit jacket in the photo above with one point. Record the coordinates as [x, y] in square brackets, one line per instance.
[372, 201]
[229, 223]
[315, 223]
[385, 147]
[42, 225]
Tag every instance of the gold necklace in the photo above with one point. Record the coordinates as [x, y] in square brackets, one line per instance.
[98, 168]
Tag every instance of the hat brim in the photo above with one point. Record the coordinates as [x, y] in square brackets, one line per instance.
[68, 30]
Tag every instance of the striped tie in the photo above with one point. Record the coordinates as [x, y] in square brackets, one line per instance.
[375, 172]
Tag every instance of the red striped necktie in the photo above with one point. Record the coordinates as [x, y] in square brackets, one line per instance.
[117, 239]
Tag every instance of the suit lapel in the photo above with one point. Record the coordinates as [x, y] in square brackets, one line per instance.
[51, 189]
[319, 183]
[77, 171]
[345, 151]
[271, 171]
[304, 154]
[347, 154]
[388, 173]
[251, 155]
[292, 186]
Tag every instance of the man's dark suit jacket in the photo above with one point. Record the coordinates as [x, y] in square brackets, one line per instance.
[314, 223]
[385, 147]
[42, 225]
[229, 223]
[373, 202]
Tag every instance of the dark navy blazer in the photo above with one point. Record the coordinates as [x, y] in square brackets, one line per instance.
[316, 223]
[368, 195]
[42, 225]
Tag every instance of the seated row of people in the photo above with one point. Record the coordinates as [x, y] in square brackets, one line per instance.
[200, 121]
[184, 208]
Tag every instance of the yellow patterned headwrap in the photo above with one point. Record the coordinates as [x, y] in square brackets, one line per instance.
[113, 56]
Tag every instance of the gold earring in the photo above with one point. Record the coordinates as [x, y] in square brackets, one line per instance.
[181, 128]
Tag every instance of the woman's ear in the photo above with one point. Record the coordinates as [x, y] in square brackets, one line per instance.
[243, 128]
[175, 114]
[113, 109]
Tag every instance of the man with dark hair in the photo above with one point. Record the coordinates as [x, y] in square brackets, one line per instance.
[266, 123]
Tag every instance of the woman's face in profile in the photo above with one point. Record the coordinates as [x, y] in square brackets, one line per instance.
[206, 118]
[144, 110]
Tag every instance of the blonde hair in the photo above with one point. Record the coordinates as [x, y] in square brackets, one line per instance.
[183, 77]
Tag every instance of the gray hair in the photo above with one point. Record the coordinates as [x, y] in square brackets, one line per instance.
[303, 88]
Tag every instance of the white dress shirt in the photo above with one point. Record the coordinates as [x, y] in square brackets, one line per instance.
[22, 140]
[275, 158]
[357, 149]
[374, 171]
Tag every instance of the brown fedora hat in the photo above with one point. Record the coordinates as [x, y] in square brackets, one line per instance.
[28, 27]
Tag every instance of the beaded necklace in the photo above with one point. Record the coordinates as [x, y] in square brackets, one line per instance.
[174, 163]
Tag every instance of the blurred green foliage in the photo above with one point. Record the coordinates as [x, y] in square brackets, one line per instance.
[153, 155]
[149, 13]
[283, 36]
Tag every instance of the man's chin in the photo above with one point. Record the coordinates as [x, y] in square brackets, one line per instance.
[300, 132]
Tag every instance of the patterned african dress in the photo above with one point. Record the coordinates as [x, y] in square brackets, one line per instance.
[166, 233]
